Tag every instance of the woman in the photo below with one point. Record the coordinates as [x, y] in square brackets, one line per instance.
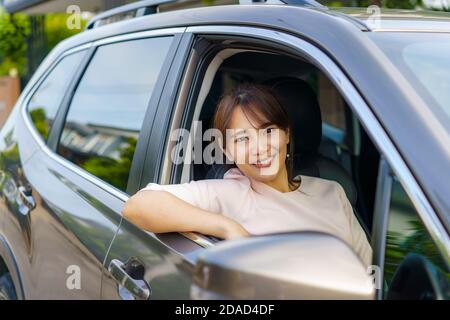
[259, 195]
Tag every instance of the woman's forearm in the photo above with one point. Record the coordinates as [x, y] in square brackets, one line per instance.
[160, 211]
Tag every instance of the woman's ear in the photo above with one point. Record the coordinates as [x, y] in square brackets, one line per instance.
[288, 134]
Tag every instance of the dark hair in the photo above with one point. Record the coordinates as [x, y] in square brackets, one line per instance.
[260, 103]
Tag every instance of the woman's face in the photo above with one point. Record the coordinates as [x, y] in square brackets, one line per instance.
[259, 150]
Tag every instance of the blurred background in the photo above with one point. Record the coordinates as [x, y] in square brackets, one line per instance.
[29, 29]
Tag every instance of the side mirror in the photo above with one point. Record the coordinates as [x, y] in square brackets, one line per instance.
[300, 265]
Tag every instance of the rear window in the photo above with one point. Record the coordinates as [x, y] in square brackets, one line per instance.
[107, 110]
[45, 102]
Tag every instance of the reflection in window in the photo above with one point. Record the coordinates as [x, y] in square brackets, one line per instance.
[108, 108]
[424, 61]
[45, 101]
[406, 234]
[332, 106]
[430, 62]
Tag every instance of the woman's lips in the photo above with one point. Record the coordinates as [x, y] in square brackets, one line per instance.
[263, 163]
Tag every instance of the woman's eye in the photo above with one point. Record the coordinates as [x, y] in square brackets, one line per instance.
[241, 139]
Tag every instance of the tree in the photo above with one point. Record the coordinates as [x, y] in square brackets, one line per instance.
[14, 29]
[56, 28]
[392, 4]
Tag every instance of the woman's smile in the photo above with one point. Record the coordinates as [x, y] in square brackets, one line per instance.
[263, 163]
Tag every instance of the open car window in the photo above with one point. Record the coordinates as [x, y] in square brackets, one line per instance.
[232, 66]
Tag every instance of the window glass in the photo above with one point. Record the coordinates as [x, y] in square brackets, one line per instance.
[407, 236]
[45, 101]
[424, 60]
[108, 108]
[332, 105]
[332, 108]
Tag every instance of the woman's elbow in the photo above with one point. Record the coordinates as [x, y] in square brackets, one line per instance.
[131, 209]
[138, 211]
[141, 210]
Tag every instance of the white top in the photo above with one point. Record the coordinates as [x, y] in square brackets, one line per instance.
[317, 205]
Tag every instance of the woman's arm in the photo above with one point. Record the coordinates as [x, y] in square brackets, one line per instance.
[160, 211]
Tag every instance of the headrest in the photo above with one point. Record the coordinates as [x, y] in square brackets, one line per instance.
[300, 102]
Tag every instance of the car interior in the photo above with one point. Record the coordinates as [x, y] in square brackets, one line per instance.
[328, 140]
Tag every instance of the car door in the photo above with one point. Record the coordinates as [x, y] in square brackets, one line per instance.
[79, 181]
[140, 264]
[23, 135]
[143, 265]
[413, 265]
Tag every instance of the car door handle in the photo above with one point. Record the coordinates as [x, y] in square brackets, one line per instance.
[27, 198]
[130, 277]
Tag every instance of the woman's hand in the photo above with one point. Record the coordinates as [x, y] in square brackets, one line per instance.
[235, 230]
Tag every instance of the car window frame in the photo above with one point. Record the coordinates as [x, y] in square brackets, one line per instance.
[37, 85]
[180, 72]
[67, 97]
[306, 48]
[381, 219]
[136, 165]
[383, 202]
[49, 147]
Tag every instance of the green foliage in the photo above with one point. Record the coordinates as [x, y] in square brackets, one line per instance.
[56, 28]
[9, 157]
[391, 4]
[418, 241]
[39, 119]
[14, 30]
[113, 171]
[402, 4]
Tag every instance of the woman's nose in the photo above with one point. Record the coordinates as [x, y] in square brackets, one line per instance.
[260, 146]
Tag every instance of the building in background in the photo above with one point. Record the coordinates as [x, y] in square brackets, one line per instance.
[48, 26]
[41, 7]
[9, 93]
[46, 6]
[40, 11]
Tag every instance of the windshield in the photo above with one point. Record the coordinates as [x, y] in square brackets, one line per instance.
[424, 59]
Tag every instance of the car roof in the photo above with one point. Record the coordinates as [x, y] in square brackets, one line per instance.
[399, 20]
[269, 15]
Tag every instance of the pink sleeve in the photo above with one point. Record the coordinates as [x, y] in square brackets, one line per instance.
[359, 240]
[194, 192]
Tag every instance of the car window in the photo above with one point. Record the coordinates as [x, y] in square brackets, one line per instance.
[45, 102]
[108, 107]
[407, 236]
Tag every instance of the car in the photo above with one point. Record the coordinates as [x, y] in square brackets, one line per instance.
[369, 101]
